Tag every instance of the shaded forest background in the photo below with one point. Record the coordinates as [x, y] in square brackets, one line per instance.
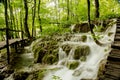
[41, 17]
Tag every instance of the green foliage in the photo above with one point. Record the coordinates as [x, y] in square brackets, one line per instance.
[52, 11]
[72, 64]
[54, 77]
[53, 29]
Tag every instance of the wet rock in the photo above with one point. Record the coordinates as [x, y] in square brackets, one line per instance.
[82, 50]
[72, 64]
[2, 77]
[37, 75]
[83, 38]
[49, 59]
[5, 73]
[83, 58]
[44, 48]
[77, 72]
[83, 27]
[66, 48]
[20, 76]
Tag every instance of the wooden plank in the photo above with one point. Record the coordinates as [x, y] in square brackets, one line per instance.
[117, 37]
[117, 30]
[12, 41]
[109, 77]
[109, 65]
[113, 73]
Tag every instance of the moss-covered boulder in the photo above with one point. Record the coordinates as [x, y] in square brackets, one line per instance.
[72, 64]
[66, 48]
[20, 76]
[80, 51]
[39, 54]
[83, 58]
[83, 38]
[37, 75]
[41, 49]
[83, 27]
[49, 59]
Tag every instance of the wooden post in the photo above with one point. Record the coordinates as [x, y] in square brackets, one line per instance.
[7, 44]
[7, 32]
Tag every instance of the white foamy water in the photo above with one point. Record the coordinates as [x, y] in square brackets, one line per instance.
[89, 68]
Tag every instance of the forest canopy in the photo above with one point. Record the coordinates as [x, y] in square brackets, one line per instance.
[42, 15]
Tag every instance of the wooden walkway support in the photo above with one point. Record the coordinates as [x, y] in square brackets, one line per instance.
[112, 67]
[7, 43]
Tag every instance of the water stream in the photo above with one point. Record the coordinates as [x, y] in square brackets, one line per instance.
[87, 69]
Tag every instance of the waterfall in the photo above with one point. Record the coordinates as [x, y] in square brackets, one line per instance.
[81, 59]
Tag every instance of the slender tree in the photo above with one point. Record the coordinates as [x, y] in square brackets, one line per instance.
[7, 33]
[39, 18]
[97, 14]
[91, 27]
[26, 19]
[11, 18]
[33, 19]
[68, 10]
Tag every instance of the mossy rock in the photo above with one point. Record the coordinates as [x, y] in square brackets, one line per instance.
[66, 48]
[110, 33]
[72, 64]
[83, 58]
[78, 52]
[83, 50]
[84, 38]
[49, 59]
[20, 76]
[39, 55]
[43, 48]
[41, 74]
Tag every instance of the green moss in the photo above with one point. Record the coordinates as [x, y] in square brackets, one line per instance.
[110, 33]
[54, 77]
[78, 52]
[83, 50]
[84, 38]
[66, 48]
[72, 64]
[49, 59]
[44, 48]
[20, 75]
[41, 74]
[83, 58]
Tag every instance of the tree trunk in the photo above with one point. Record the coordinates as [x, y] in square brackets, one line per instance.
[39, 15]
[91, 29]
[25, 20]
[7, 33]
[11, 18]
[68, 10]
[33, 19]
[97, 9]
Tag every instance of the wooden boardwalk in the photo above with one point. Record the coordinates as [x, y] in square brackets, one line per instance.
[12, 41]
[112, 67]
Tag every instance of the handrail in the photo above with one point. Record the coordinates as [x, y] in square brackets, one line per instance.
[4, 29]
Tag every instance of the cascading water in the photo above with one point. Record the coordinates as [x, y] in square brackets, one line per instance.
[87, 64]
